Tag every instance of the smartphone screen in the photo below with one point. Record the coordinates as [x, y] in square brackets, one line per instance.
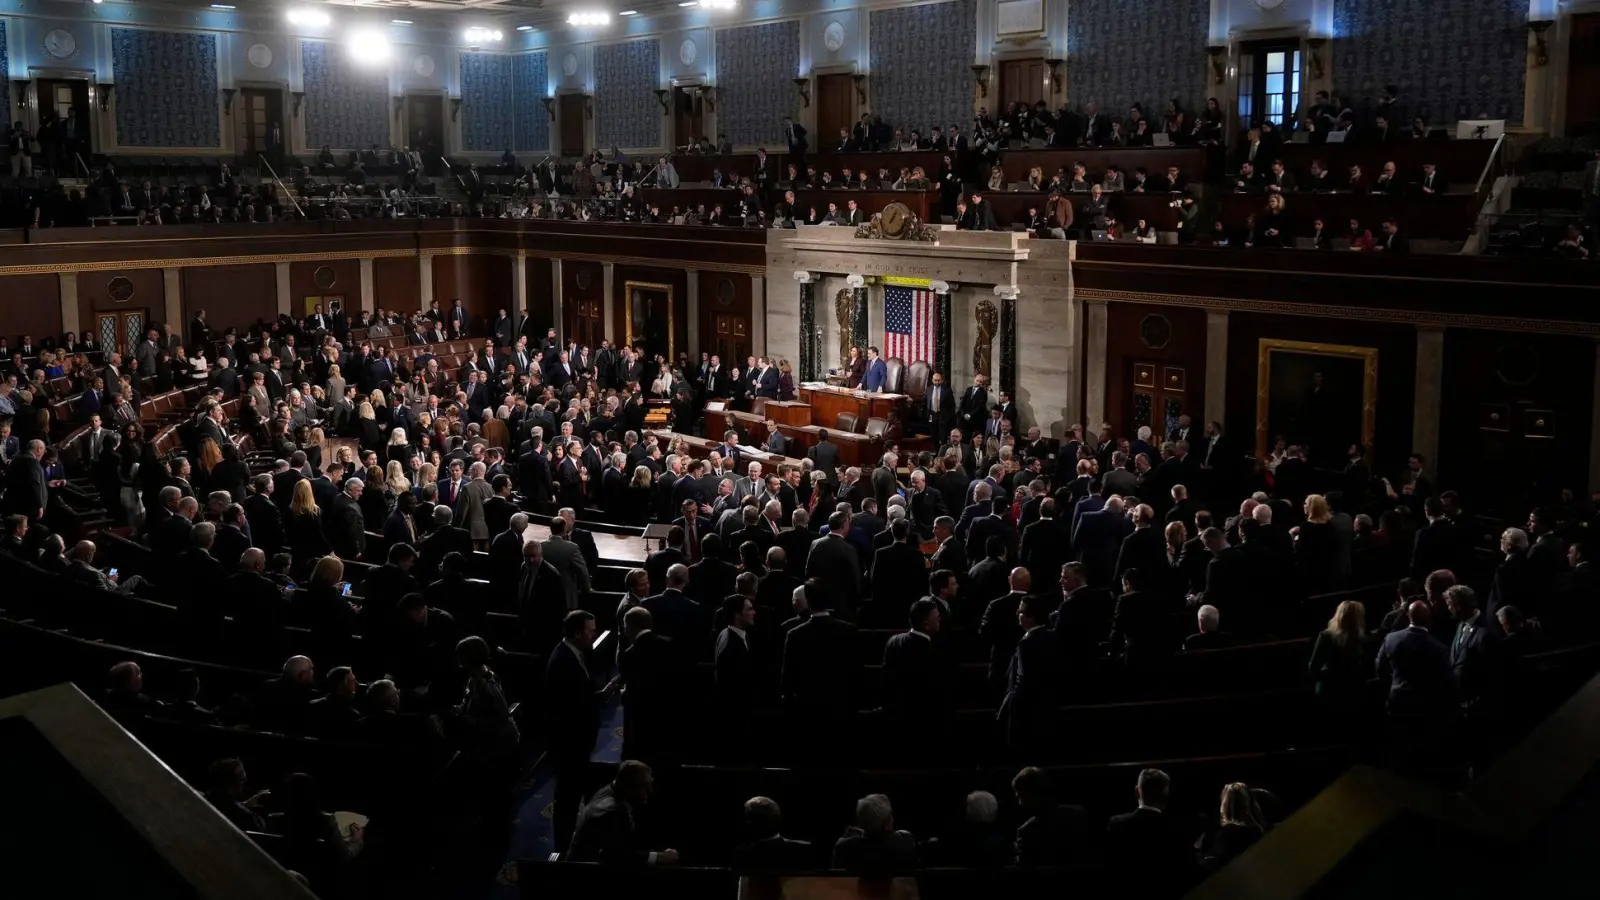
[112, 573]
[346, 589]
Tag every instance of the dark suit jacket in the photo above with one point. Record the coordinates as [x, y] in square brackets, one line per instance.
[1145, 550]
[1419, 671]
[899, 576]
[606, 833]
[917, 677]
[571, 704]
[26, 492]
[1000, 630]
[735, 672]
[819, 666]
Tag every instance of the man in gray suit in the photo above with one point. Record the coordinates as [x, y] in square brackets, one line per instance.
[567, 559]
[470, 506]
[834, 562]
[750, 485]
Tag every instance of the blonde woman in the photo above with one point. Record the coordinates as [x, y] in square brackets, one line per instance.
[394, 478]
[1036, 179]
[1239, 826]
[427, 474]
[304, 528]
[335, 383]
[399, 449]
[997, 179]
[367, 430]
[377, 399]
[1339, 659]
[1318, 547]
[324, 609]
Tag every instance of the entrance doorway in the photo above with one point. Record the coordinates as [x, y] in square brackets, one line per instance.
[688, 115]
[425, 128]
[1160, 394]
[585, 322]
[254, 114]
[120, 330]
[1269, 83]
[836, 109]
[1025, 81]
[65, 100]
[730, 338]
[571, 116]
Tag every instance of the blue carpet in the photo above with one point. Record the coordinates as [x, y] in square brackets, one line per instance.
[532, 836]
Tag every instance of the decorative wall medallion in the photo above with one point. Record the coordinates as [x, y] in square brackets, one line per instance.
[423, 65]
[1155, 331]
[569, 64]
[688, 52]
[119, 289]
[1516, 364]
[324, 277]
[833, 37]
[584, 279]
[60, 43]
[260, 55]
[725, 292]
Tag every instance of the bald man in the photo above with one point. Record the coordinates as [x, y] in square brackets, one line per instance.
[258, 606]
[1000, 628]
[1417, 668]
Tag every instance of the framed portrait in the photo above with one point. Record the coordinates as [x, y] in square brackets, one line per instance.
[648, 319]
[1321, 395]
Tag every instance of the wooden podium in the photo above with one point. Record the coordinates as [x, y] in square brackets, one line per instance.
[827, 402]
[788, 412]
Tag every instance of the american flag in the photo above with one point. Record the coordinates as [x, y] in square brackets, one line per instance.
[910, 323]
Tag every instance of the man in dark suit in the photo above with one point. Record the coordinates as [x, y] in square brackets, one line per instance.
[1046, 544]
[1000, 628]
[266, 523]
[917, 679]
[819, 672]
[343, 525]
[1476, 661]
[897, 575]
[952, 551]
[1033, 679]
[768, 849]
[678, 617]
[927, 505]
[824, 457]
[833, 560]
[939, 408]
[1144, 549]
[607, 832]
[1098, 540]
[1152, 842]
[1422, 689]
[974, 405]
[1141, 622]
[26, 491]
[573, 708]
[652, 670]
[1438, 545]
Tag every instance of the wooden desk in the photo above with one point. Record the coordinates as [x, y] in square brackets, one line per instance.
[686, 199]
[617, 549]
[1460, 162]
[827, 402]
[788, 412]
[854, 449]
[1128, 208]
[698, 167]
[702, 447]
[1190, 160]
[868, 202]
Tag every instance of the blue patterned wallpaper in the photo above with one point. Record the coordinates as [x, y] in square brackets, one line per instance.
[756, 68]
[1451, 59]
[486, 102]
[347, 106]
[1117, 57]
[922, 64]
[626, 113]
[5, 79]
[532, 84]
[166, 88]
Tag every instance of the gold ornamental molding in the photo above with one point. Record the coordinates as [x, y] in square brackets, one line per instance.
[1326, 311]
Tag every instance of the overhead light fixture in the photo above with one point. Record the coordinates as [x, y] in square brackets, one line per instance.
[369, 46]
[589, 18]
[309, 18]
[718, 4]
[478, 35]
[629, 12]
[399, 21]
[687, 3]
[98, 2]
[524, 27]
[223, 6]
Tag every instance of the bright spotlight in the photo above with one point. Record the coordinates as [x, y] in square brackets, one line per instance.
[589, 18]
[369, 47]
[477, 35]
[309, 18]
[718, 4]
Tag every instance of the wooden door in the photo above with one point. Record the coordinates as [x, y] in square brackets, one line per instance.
[688, 116]
[254, 113]
[1160, 394]
[1025, 81]
[585, 323]
[730, 338]
[120, 330]
[61, 99]
[836, 109]
[1583, 76]
[571, 124]
[425, 127]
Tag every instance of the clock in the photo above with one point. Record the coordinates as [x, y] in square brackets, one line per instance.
[569, 65]
[688, 52]
[260, 55]
[833, 37]
[423, 65]
[60, 43]
[894, 219]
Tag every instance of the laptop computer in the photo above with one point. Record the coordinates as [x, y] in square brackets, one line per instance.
[1337, 137]
[1161, 139]
[1305, 243]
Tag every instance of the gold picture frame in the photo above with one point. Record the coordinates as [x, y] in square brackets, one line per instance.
[1369, 383]
[628, 287]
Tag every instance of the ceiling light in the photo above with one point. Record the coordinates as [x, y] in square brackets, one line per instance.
[717, 4]
[98, 2]
[369, 46]
[524, 27]
[478, 35]
[223, 6]
[309, 18]
[690, 3]
[589, 18]
[629, 12]
[399, 21]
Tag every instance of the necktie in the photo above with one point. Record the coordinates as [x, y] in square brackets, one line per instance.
[935, 399]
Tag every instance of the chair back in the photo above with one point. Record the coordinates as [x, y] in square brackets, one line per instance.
[846, 421]
[876, 426]
[894, 374]
[918, 374]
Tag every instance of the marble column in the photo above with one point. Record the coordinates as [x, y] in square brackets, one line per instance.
[942, 338]
[1594, 426]
[1429, 394]
[1215, 399]
[858, 311]
[68, 282]
[172, 291]
[1008, 337]
[519, 291]
[607, 280]
[425, 281]
[691, 306]
[285, 295]
[1094, 375]
[758, 315]
[369, 293]
[810, 336]
[557, 317]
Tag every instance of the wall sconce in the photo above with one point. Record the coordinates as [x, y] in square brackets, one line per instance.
[980, 75]
[299, 97]
[1541, 52]
[227, 101]
[1316, 44]
[710, 94]
[105, 91]
[22, 93]
[661, 98]
[588, 106]
[803, 85]
[455, 108]
[861, 87]
[1218, 71]
[549, 107]
[1055, 74]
